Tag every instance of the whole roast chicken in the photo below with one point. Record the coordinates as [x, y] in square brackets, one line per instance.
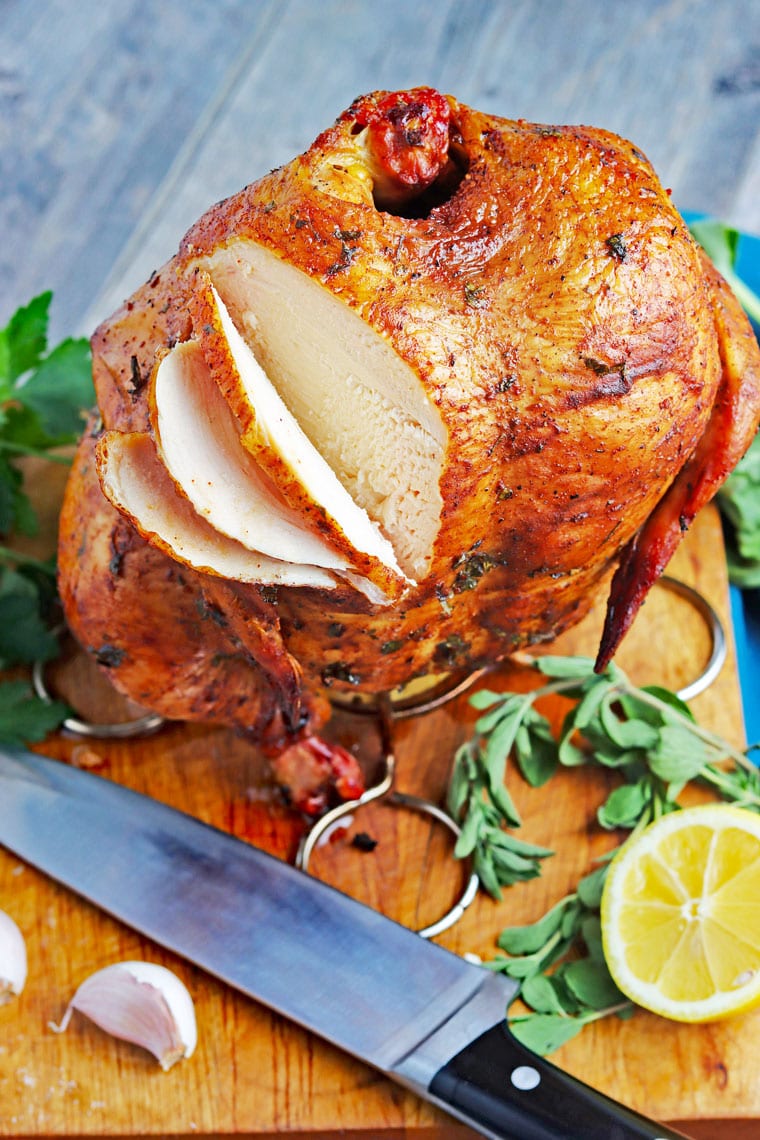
[398, 408]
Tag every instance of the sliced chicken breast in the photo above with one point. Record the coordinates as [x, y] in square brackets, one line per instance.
[358, 401]
[137, 484]
[198, 441]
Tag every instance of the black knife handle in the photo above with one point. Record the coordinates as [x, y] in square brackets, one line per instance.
[505, 1090]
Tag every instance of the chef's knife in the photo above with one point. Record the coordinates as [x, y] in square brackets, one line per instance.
[418, 1013]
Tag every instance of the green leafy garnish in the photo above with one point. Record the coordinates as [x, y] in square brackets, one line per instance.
[478, 798]
[650, 738]
[43, 394]
[26, 600]
[739, 503]
[739, 498]
[721, 244]
[24, 717]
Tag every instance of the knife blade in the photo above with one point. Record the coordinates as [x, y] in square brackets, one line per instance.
[418, 1013]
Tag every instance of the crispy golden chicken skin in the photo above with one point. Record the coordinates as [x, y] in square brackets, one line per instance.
[501, 340]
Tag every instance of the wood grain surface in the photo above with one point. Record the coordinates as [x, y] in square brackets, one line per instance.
[254, 1075]
[120, 122]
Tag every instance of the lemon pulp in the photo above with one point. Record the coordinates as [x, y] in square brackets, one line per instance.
[681, 914]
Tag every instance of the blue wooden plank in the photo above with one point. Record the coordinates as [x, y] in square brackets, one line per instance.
[745, 615]
[746, 603]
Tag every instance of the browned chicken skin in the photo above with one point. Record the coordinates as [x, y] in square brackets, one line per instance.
[731, 427]
[529, 371]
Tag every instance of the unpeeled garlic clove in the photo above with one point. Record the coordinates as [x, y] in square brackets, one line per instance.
[12, 959]
[140, 1002]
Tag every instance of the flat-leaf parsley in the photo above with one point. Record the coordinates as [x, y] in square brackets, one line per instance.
[43, 394]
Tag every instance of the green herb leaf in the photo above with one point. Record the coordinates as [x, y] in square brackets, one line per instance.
[570, 754]
[484, 698]
[23, 342]
[591, 933]
[637, 702]
[536, 750]
[519, 940]
[678, 755]
[543, 994]
[626, 733]
[591, 886]
[520, 968]
[24, 634]
[503, 707]
[515, 866]
[16, 511]
[468, 838]
[23, 433]
[60, 390]
[459, 784]
[544, 1033]
[504, 804]
[721, 243]
[580, 668]
[625, 806]
[499, 744]
[590, 982]
[588, 706]
[24, 717]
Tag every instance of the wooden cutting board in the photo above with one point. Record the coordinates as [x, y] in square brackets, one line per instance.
[253, 1075]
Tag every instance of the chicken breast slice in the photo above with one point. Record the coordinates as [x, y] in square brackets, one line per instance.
[275, 439]
[362, 406]
[198, 441]
[136, 482]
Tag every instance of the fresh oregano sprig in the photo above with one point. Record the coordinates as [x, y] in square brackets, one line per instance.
[650, 737]
[478, 797]
[560, 964]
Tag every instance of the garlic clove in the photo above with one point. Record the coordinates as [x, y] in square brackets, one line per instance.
[140, 1002]
[13, 964]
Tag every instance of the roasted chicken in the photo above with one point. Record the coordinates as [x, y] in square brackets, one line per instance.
[398, 408]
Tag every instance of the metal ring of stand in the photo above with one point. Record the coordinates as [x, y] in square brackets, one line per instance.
[718, 650]
[386, 713]
[121, 730]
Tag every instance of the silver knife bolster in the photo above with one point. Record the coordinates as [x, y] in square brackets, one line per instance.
[484, 1009]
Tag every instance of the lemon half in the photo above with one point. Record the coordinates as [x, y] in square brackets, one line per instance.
[681, 914]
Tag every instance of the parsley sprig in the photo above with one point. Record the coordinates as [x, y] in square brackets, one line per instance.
[42, 394]
[650, 738]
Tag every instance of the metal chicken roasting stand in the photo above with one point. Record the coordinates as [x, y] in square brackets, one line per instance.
[413, 700]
